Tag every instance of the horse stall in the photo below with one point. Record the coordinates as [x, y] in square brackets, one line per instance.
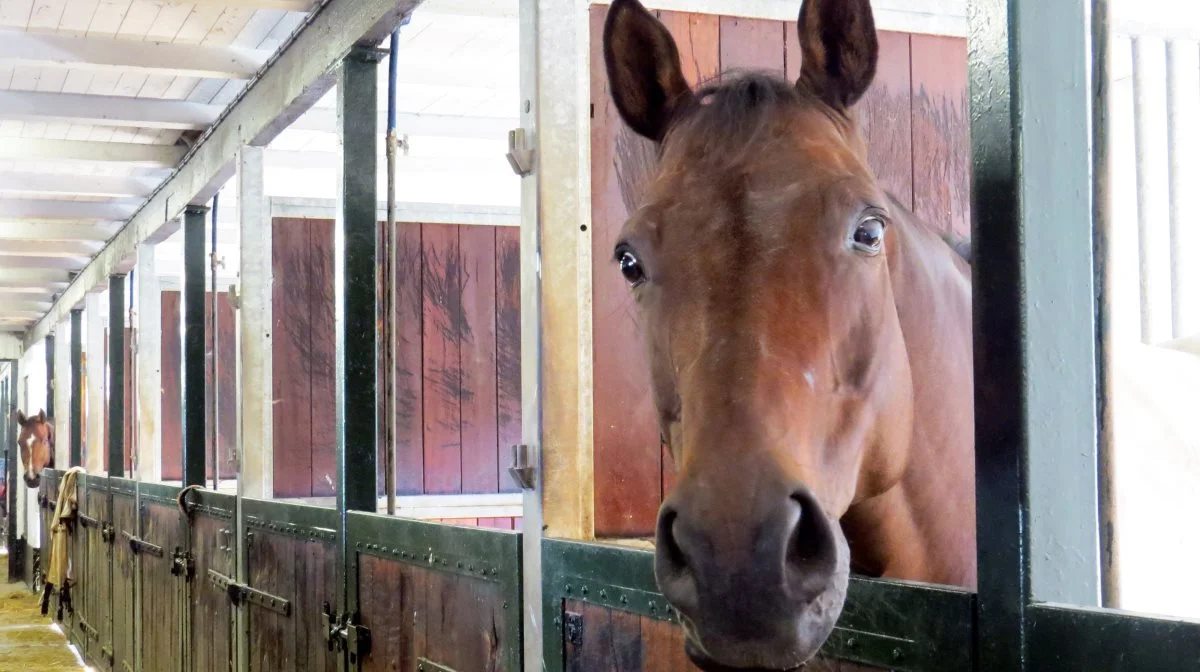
[323, 430]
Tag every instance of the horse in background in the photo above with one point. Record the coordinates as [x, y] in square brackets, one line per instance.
[36, 441]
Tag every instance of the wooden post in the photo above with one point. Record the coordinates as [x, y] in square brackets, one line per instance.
[94, 372]
[255, 407]
[148, 386]
[193, 345]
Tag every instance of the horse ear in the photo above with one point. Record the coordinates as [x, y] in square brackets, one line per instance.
[839, 50]
[645, 78]
[21, 419]
[41, 416]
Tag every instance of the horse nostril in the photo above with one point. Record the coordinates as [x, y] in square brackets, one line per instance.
[668, 545]
[811, 549]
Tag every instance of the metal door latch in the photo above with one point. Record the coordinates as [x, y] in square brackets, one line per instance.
[524, 466]
[182, 564]
[108, 533]
[344, 633]
[520, 156]
[241, 593]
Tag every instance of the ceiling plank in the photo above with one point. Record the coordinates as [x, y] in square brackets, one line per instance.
[11, 347]
[14, 261]
[49, 248]
[125, 111]
[286, 5]
[30, 149]
[18, 305]
[51, 184]
[53, 231]
[151, 58]
[16, 278]
[36, 209]
[303, 71]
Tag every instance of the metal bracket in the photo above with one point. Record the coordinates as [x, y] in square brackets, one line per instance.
[224, 536]
[138, 546]
[182, 564]
[425, 665]
[88, 521]
[240, 593]
[344, 633]
[524, 466]
[520, 156]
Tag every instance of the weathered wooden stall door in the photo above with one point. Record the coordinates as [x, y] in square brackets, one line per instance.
[915, 122]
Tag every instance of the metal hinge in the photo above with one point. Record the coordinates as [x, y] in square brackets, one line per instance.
[524, 466]
[344, 633]
[240, 593]
[182, 564]
[573, 629]
[519, 155]
[139, 546]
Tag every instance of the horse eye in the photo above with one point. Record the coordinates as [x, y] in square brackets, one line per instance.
[868, 235]
[631, 268]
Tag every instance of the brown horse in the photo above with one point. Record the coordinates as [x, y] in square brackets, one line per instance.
[36, 441]
[809, 345]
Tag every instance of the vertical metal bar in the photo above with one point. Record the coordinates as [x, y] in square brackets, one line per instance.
[1102, 280]
[49, 345]
[999, 361]
[354, 296]
[76, 418]
[193, 346]
[216, 349]
[1152, 187]
[116, 373]
[389, 287]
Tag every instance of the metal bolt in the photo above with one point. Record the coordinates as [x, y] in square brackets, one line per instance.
[527, 105]
[568, 589]
[504, 605]
[604, 594]
[653, 607]
[851, 643]
[624, 600]
[897, 654]
[584, 590]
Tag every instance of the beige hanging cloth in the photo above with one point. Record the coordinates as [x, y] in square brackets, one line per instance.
[59, 575]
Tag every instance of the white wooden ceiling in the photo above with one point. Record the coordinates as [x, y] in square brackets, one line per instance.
[99, 100]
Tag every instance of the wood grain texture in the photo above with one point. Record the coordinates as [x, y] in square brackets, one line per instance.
[322, 358]
[885, 117]
[941, 133]
[161, 645]
[97, 580]
[124, 519]
[477, 360]
[211, 614]
[385, 592]
[443, 328]
[752, 44]
[409, 428]
[508, 351]
[291, 347]
[303, 572]
[223, 391]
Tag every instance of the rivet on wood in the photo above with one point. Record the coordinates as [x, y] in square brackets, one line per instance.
[851, 643]
[897, 654]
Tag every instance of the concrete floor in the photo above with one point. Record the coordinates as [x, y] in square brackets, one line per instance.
[29, 642]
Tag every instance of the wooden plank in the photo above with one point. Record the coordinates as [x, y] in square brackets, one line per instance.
[508, 350]
[211, 616]
[627, 454]
[172, 393]
[752, 44]
[97, 581]
[322, 358]
[271, 566]
[941, 152]
[464, 622]
[130, 377]
[662, 644]
[291, 344]
[224, 391]
[384, 596]
[161, 525]
[477, 393]
[442, 334]
[885, 116]
[317, 586]
[409, 427]
[123, 607]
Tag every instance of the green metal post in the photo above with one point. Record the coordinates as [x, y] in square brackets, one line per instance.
[76, 412]
[49, 343]
[116, 376]
[1001, 411]
[354, 291]
[193, 345]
